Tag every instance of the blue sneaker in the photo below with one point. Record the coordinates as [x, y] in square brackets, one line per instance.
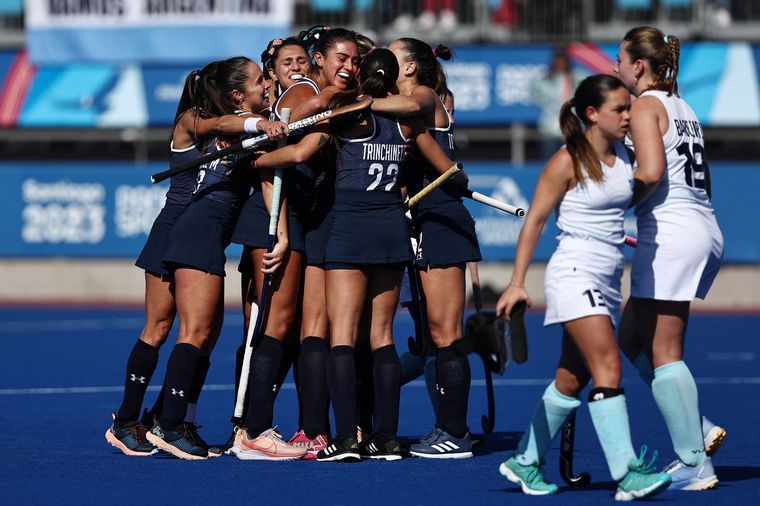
[439, 444]
[180, 443]
[527, 476]
[692, 478]
[129, 437]
[641, 480]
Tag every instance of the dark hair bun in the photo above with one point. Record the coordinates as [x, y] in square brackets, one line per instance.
[443, 52]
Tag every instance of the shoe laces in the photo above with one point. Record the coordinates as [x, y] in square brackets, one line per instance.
[137, 431]
[640, 465]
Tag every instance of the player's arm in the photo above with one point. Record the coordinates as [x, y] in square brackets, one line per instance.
[421, 101]
[294, 154]
[552, 185]
[646, 133]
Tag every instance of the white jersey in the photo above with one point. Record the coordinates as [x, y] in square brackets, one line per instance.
[595, 209]
[687, 176]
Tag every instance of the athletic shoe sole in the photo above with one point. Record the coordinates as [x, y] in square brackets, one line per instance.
[257, 455]
[511, 476]
[163, 445]
[342, 457]
[714, 440]
[708, 483]
[114, 441]
[463, 455]
[653, 489]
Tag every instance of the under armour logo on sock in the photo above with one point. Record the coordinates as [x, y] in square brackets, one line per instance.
[134, 378]
[440, 390]
[274, 387]
[181, 393]
[599, 396]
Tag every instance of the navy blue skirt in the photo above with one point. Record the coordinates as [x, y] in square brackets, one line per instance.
[252, 228]
[152, 254]
[368, 228]
[199, 237]
[446, 235]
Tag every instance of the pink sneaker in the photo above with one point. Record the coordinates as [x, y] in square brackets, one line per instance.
[266, 446]
[312, 446]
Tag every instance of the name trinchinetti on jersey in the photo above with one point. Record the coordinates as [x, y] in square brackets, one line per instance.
[384, 152]
[690, 128]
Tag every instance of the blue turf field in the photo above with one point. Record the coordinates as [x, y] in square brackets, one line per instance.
[60, 371]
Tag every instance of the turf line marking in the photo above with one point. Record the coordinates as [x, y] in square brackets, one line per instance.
[742, 380]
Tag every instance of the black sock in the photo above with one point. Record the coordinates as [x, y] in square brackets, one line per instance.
[179, 381]
[341, 381]
[312, 369]
[386, 370]
[453, 391]
[158, 406]
[199, 379]
[140, 366]
[262, 385]
[365, 390]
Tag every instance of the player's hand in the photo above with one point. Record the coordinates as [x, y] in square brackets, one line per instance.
[275, 130]
[273, 261]
[511, 296]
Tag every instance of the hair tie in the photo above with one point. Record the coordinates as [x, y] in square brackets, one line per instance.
[666, 39]
[434, 53]
[381, 72]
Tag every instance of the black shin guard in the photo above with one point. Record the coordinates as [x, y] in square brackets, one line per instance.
[341, 381]
[312, 370]
[180, 371]
[453, 391]
[140, 366]
[386, 370]
[262, 385]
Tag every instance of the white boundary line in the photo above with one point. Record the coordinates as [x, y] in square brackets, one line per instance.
[740, 380]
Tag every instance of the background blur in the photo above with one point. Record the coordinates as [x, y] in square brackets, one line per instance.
[88, 92]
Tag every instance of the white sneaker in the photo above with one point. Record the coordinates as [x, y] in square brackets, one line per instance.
[403, 23]
[426, 21]
[692, 478]
[714, 436]
[448, 21]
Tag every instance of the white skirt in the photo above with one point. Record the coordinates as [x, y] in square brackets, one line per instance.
[679, 252]
[583, 279]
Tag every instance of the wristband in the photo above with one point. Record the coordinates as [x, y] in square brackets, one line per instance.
[249, 125]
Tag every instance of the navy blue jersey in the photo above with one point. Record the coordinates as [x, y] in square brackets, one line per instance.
[299, 184]
[215, 183]
[372, 163]
[445, 139]
[182, 185]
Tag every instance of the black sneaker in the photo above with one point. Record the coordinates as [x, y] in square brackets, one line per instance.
[180, 443]
[381, 448]
[229, 448]
[129, 437]
[345, 449]
[213, 451]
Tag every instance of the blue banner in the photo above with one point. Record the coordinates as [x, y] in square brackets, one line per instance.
[102, 210]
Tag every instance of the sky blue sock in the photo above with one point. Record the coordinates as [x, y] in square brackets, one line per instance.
[610, 417]
[644, 366]
[676, 395]
[548, 417]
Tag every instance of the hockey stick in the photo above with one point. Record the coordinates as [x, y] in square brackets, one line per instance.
[253, 330]
[498, 204]
[566, 457]
[486, 421]
[456, 168]
[361, 104]
[421, 330]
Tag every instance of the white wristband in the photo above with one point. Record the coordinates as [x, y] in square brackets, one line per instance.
[249, 125]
